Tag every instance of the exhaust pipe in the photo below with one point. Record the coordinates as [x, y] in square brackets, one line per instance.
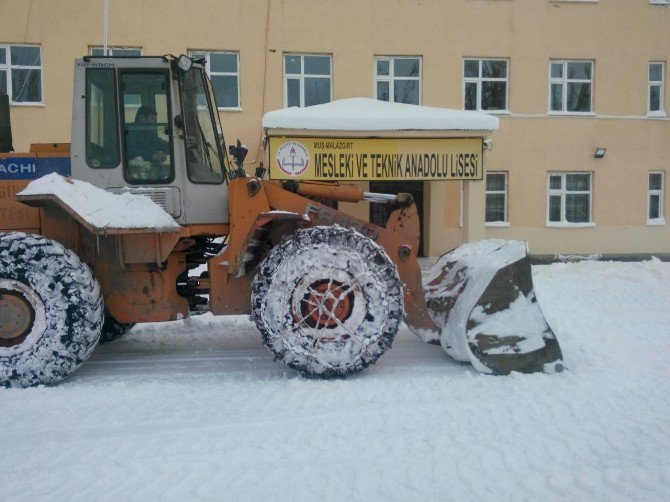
[5, 125]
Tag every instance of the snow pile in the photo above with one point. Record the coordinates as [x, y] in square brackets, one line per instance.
[365, 114]
[198, 410]
[102, 209]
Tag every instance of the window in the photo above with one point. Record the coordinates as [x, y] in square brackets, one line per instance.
[307, 79]
[655, 199]
[21, 73]
[398, 79]
[116, 51]
[102, 140]
[656, 88]
[146, 130]
[223, 69]
[485, 84]
[205, 161]
[131, 101]
[496, 197]
[570, 86]
[569, 199]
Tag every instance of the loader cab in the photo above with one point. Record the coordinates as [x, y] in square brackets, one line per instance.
[149, 125]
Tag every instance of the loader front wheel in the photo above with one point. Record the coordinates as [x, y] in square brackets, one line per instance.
[51, 311]
[327, 301]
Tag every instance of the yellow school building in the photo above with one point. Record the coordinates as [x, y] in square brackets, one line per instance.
[577, 166]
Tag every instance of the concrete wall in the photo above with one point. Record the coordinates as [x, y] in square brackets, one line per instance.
[620, 36]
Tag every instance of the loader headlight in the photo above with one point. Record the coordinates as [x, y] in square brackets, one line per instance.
[184, 62]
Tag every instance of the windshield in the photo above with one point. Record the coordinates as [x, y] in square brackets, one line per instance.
[205, 162]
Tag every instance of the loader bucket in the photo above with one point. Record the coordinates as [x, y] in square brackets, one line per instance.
[481, 297]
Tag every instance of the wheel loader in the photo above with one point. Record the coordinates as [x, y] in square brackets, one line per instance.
[111, 229]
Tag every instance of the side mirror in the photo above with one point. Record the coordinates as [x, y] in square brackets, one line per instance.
[239, 153]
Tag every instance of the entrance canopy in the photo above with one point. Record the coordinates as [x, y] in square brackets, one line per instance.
[362, 139]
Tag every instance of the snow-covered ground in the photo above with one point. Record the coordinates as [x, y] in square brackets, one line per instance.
[198, 410]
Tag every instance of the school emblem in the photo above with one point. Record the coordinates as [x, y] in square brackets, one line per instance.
[292, 158]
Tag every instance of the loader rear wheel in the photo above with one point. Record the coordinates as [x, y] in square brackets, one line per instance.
[51, 311]
[327, 301]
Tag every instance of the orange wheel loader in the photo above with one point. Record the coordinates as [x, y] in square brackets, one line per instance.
[110, 230]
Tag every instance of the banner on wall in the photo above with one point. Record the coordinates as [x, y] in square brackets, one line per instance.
[372, 159]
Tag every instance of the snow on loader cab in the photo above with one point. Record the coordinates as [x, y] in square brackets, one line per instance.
[145, 194]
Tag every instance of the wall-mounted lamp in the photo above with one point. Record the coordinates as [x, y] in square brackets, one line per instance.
[599, 153]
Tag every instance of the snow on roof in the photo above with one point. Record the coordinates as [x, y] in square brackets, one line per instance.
[102, 209]
[365, 114]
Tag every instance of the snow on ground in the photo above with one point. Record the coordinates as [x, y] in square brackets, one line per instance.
[197, 410]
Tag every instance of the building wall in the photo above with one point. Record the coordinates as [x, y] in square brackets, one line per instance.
[620, 36]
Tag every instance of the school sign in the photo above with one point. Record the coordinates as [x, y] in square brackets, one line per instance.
[366, 159]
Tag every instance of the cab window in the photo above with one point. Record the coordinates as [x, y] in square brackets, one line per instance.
[102, 139]
[146, 127]
[205, 161]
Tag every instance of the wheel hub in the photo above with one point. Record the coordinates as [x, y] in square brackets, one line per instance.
[327, 304]
[16, 318]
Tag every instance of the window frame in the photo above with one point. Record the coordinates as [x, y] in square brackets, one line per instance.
[302, 75]
[564, 81]
[505, 221]
[657, 83]
[660, 219]
[562, 192]
[207, 55]
[7, 67]
[479, 79]
[391, 78]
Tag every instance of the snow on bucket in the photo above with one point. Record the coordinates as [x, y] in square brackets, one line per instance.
[481, 297]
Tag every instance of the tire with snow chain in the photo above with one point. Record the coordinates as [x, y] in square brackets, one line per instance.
[327, 301]
[51, 311]
[113, 329]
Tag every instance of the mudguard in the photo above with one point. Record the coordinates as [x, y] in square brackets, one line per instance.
[481, 297]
